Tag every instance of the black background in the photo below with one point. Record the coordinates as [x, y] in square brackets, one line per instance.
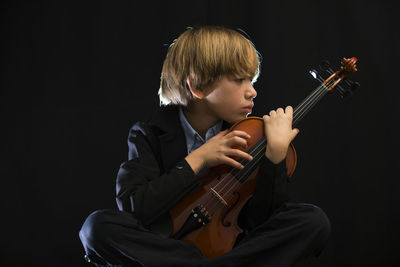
[77, 74]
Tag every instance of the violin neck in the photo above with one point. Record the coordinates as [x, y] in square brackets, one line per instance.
[308, 103]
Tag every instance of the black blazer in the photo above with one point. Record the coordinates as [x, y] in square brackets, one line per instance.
[156, 175]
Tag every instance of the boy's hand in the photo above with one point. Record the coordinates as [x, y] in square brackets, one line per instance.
[218, 150]
[279, 133]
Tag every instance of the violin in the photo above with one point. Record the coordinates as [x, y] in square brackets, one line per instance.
[207, 217]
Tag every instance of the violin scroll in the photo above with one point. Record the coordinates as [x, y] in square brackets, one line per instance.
[349, 65]
[331, 79]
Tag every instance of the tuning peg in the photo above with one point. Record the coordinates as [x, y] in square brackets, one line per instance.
[351, 88]
[354, 86]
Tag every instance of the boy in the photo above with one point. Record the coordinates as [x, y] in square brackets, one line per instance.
[206, 85]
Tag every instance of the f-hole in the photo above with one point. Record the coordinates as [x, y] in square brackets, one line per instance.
[227, 224]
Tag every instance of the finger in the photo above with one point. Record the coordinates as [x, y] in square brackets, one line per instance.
[240, 154]
[272, 112]
[231, 162]
[295, 131]
[236, 140]
[238, 133]
[224, 132]
[289, 110]
[280, 111]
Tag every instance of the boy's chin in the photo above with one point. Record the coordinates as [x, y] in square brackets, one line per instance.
[239, 118]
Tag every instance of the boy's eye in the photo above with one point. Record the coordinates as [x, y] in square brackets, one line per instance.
[240, 80]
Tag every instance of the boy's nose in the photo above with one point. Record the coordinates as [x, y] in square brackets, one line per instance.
[251, 92]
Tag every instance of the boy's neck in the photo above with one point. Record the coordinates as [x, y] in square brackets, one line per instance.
[199, 117]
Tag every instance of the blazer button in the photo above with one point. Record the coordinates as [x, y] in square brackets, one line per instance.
[87, 259]
[94, 260]
[179, 166]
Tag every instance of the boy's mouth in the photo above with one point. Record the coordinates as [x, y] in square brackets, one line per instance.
[248, 109]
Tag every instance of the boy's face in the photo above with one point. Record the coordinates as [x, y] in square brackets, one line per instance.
[231, 99]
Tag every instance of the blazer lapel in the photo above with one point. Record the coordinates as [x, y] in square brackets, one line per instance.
[170, 134]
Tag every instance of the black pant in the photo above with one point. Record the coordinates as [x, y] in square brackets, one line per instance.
[293, 232]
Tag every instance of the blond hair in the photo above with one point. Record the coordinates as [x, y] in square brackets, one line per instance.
[204, 54]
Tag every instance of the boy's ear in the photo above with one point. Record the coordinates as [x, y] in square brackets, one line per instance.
[195, 92]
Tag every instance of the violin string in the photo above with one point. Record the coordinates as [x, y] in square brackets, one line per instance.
[231, 174]
[306, 102]
[212, 203]
[302, 109]
[233, 170]
[244, 175]
[228, 178]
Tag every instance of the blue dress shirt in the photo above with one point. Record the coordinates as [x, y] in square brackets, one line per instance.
[193, 139]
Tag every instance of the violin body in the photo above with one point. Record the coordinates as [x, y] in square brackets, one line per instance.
[218, 236]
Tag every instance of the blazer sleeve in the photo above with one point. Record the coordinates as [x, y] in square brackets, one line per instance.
[143, 187]
[270, 193]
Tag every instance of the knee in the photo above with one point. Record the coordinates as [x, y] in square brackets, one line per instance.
[316, 223]
[96, 229]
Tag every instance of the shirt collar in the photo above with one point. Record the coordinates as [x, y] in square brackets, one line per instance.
[192, 137]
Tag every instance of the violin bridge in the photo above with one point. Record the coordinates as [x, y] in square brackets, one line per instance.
[215, 193]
